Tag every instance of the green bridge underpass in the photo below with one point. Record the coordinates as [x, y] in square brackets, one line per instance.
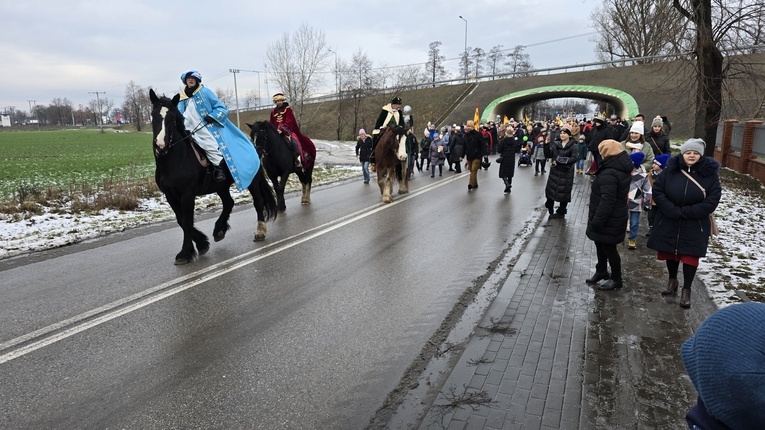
[511, 105]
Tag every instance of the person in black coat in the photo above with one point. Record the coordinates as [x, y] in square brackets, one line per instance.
[507, 148]
[682, 227]
[475, 148]
[608, 212]
[599, 133]
[560, 182]
[363, 152]
[457, 148]
[658, 140]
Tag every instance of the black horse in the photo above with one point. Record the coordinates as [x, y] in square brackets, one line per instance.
[279, 162]
[181, 176]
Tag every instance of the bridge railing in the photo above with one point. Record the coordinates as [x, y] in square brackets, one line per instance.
[621, 62]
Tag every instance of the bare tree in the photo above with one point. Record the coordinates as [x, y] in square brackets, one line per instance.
[718, 25]
[250, 99]
[518, 61]
[295, 61]
[494, 60]
[477, 54]
[638, 29]
[358, 80]
[60, 110]
[434, 68]
[136, 106]
[466, 63]
[226, 96]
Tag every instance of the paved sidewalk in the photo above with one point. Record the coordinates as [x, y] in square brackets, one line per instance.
[555, 353]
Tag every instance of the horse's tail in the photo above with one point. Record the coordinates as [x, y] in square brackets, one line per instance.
[270, 208]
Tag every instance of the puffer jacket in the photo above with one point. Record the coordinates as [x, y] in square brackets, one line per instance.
[561, 178]
[608, 200]
[682, 225]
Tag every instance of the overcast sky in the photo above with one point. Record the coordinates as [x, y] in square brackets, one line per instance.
[69, 48]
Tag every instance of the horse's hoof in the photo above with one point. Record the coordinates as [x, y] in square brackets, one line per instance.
[305, 202]
[260, 232]
[203, 248]
[218, 236]
[179, 261]
[404, 191]
[387, 199]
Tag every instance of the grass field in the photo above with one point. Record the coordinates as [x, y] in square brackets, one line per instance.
[71, 160]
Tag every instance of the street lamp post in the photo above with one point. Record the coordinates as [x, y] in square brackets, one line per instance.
[337, 93]
[236, 94]
[466, 53]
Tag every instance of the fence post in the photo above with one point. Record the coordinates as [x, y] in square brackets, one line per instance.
[747, 144]
[727, 139]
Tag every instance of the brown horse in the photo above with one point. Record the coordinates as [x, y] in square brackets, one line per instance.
[390, 160]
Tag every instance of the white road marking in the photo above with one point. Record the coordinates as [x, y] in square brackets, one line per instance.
[53, 333]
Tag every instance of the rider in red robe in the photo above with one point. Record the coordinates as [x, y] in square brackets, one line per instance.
[284, 120]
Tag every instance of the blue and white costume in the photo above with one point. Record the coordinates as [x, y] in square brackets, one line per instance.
[222, 140]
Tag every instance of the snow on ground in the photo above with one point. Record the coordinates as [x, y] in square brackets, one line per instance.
[734, 260]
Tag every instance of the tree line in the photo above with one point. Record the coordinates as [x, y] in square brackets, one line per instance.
[300, 64]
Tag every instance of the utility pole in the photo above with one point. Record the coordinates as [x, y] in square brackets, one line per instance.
[236, 94]
[98, 100]
[466, 53]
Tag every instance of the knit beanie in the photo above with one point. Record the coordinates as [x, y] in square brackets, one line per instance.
[637, 158]
[724, 360]
[362, 132]
[693, 144]
[637, 127]
[661, 160]
[609, 148]
[657, 121]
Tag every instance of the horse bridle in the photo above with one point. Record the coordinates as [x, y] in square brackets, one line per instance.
[171, 143]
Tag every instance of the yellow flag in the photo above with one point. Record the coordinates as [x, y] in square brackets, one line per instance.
[476, 118]
[505, 120]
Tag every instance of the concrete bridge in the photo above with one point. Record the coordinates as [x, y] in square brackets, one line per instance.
[667, 89]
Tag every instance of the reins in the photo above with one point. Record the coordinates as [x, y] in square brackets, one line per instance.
[171, 143]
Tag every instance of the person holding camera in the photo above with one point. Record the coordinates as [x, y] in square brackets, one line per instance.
[561, 178]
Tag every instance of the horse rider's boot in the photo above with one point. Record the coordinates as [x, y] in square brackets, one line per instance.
[298, 164]
[218, 174]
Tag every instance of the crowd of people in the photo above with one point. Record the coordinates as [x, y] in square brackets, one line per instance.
[632, 172]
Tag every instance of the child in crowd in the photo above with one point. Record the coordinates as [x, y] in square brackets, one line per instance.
[659, 163]
[582, 149]
[638, 198]
[540, 160]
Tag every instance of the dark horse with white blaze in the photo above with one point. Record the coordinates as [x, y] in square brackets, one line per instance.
[181, 176]
[278, 160]
[391, 162]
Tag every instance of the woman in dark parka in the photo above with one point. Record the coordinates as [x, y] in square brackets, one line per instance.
[682, 227]
[608, 212]
[561, 179]
[507, 148]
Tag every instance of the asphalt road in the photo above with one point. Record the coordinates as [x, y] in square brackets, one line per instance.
[312, 328]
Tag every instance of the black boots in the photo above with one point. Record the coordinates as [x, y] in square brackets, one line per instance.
[685, 298]
[597, 277]
[671, 288]
[218, 174]
[508, 185]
